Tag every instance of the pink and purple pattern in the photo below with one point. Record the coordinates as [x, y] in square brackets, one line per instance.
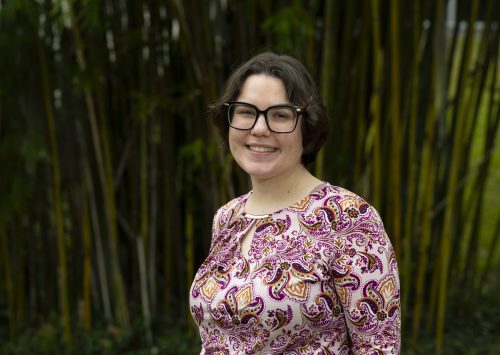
[320, 278]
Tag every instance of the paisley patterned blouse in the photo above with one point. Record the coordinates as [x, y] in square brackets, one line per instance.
[320, 277]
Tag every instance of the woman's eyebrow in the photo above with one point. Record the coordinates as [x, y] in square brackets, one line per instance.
[278, 104]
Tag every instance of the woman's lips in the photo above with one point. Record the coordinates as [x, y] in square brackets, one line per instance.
[261, 149]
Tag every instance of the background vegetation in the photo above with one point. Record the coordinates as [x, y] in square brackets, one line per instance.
[110, 171]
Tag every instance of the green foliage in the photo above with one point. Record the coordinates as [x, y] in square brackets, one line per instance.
[90, 15]
[20, 156]
[107, 340]
[11, 10]
[475, 334]
[289, 24]
[193, 154]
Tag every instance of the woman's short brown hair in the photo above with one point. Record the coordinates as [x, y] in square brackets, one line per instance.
[301, 92]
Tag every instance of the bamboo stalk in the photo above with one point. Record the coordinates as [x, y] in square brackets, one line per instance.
[395, 176]
[439, 87]
[433, 297]
[375, 107]
[169, 196]
[427, 186]
[19, 260]
[177, 7]
[153, 221]
[419, 40]
[490, 259]
[326, 77]
[105, 175]
[456, 159]
[189, 252]
[168, 251]
[428, 180]
[311, 55]
[363, 67]
[58, 217]
[100, 257]
[144, 208]
[142, 239]
[87, 264]
[170, 211]
[122, 311]
[475, 203]
[491, 138]
[343, 105]
[144, 290]
[9, 284]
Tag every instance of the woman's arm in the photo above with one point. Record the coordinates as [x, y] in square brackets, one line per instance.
[366, 279]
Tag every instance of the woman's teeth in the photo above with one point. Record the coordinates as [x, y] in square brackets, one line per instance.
[260, 149]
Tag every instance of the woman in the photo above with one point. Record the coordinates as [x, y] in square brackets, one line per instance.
[296, 266]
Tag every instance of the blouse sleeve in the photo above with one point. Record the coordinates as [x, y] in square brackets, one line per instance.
[223, 221]
[215, 228]
[366, 281]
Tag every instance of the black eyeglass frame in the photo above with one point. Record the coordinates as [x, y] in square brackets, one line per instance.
[299, 111]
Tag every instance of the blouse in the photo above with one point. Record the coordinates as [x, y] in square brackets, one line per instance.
[320, 277]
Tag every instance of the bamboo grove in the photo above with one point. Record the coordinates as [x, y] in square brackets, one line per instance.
[111, 172]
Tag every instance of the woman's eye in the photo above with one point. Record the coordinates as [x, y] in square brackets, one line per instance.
[281, 115]
[245, 112]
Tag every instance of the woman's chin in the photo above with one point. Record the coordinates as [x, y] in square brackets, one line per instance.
[260, 174]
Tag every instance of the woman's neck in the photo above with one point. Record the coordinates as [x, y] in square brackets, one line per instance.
[275, 194]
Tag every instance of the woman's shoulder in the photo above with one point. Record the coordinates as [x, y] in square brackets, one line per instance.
[328, 191]
[344, 203]
[232, 207]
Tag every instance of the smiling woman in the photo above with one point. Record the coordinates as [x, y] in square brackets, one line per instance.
[296, 265]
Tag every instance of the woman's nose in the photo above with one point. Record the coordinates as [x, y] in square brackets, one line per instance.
[260, 127]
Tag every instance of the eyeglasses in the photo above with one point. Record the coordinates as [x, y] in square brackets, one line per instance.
[279, 118]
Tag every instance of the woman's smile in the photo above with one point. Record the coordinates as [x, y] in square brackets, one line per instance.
[261, 148]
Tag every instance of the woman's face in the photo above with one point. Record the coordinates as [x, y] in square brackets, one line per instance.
[259, 152]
